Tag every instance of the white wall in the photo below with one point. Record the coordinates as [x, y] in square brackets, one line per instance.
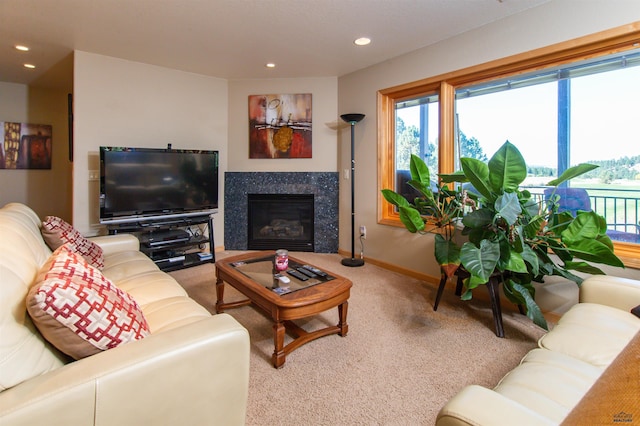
[324, 93]
[124, 103]
[47, 192]
[553, 22]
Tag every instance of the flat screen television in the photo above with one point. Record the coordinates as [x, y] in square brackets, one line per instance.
[139, 184]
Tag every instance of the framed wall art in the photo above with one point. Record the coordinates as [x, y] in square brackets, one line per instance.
[280, 126]
[25, 146]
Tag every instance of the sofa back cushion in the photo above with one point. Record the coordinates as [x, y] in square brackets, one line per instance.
[23, 351]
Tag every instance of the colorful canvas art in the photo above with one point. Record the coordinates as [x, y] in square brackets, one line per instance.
[280, 126]
[25, 146]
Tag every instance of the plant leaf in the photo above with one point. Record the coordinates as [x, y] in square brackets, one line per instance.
[480, 262]
[467, 295]
[447, 255]
[424, 190]
[411, 219]
[477, 173]
[604, 239]
[516, 263]
[507, 169]
[530, 257]
[419, 170]
[533, 310]
[585, 226]
[474, 281]
[566, 274]
[595, 251]
[559, 249]
[572, 172]
[478, 218]
[534, 226]
[458, 176]
[508, 207]
[394, 198]
[583, 267]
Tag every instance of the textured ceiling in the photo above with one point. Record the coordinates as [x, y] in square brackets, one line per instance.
[232, 39]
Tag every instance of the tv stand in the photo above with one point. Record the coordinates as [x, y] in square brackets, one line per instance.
[173, 243]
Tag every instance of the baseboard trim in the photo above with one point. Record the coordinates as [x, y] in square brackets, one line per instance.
[505, 303]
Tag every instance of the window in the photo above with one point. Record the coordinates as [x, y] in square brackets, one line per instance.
[567, 104]
[416, 132]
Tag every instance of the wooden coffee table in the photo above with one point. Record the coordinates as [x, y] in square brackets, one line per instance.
[252, 275]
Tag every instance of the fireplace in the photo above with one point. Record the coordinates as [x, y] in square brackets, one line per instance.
[322, 185]
[280, 221]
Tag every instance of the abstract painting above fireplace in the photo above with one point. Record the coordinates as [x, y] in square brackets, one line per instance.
[324, 187]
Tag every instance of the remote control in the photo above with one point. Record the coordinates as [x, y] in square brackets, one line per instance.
[283, 279]
[306, 272]
[297, 274]
[314, 270]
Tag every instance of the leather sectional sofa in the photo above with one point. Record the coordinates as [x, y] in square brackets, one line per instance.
[585, 370]
[191, 368]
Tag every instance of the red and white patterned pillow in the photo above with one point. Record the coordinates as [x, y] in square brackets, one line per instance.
[79, 311]
[57, 232]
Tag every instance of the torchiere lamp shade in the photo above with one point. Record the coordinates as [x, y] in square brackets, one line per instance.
[352, 118]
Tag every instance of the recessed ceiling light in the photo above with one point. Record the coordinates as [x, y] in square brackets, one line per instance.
[271, 65]
[22, 48]
[362, 41]
[30, 66]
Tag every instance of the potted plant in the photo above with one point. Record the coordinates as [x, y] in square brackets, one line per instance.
[509, 232]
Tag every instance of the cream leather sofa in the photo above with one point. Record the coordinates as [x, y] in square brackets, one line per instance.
[193, 369]
[551, 380]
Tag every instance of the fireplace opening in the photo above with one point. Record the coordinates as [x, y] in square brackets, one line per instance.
[280, 221]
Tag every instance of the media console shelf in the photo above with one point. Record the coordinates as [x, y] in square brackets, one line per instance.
[173, 243]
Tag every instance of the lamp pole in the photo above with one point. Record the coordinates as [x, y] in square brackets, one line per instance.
[352, 119]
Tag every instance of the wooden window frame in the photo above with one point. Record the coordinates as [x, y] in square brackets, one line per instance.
[608, 42]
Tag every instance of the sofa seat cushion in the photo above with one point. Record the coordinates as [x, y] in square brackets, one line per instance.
[548, 383]
[173, 312]
[80, 311]
[150, 287]
[593, 333]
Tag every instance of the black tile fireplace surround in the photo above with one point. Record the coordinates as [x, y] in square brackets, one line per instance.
[323, 185]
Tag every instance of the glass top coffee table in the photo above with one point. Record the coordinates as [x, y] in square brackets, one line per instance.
[309, 291]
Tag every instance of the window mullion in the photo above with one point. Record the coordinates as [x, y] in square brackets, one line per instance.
[446, 158]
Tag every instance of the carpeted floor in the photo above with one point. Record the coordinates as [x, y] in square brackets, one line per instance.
[399, 364]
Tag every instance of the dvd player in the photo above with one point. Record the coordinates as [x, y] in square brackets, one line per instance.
[159, 238]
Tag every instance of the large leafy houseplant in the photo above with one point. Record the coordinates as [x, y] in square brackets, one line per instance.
[509, 232]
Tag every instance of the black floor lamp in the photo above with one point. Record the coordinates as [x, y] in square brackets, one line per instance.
[352, 119]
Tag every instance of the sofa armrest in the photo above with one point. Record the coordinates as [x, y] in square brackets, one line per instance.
[621, 293]
[476, 405]
[196, 374]
[116, 243]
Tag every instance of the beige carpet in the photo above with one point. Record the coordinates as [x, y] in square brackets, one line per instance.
[399, 364]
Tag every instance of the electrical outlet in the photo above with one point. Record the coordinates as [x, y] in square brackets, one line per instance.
[363, 232]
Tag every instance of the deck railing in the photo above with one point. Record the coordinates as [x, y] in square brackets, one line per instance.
[620, 208]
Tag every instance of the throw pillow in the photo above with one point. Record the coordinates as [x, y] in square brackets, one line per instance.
[79, 310]
[57, 232]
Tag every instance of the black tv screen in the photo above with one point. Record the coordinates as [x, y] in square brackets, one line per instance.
[141, 183]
